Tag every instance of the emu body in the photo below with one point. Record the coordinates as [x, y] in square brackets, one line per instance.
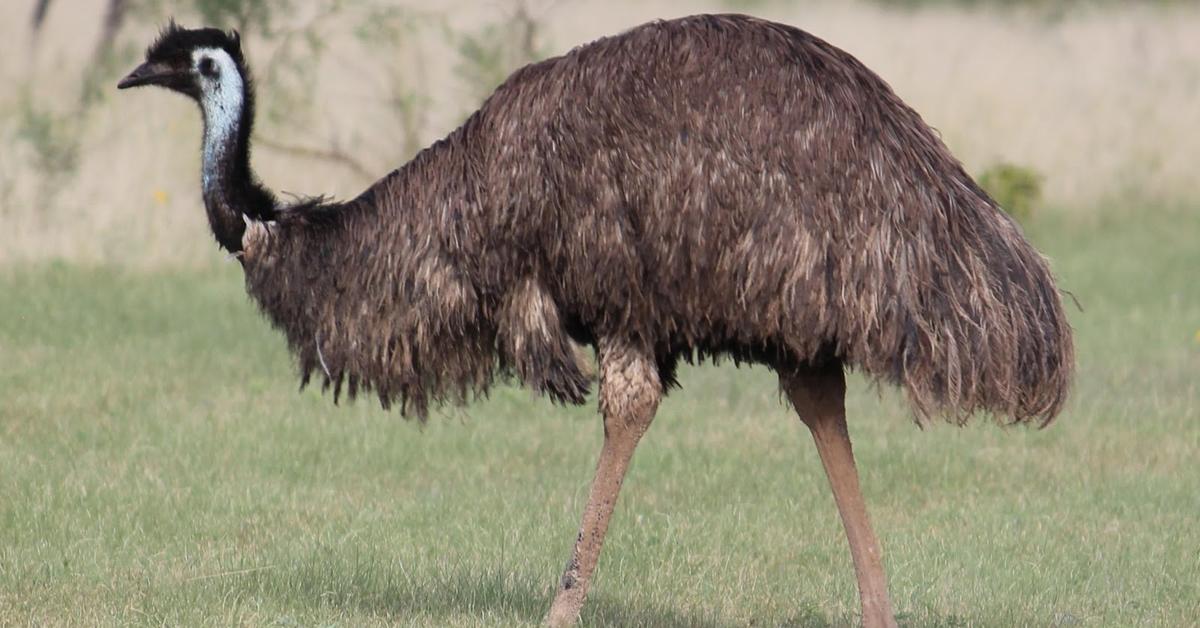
[714, 185]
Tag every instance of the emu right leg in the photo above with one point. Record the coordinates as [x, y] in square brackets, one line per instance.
[819, 398]
[629, 394]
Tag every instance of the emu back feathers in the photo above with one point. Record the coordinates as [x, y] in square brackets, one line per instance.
[705, 186]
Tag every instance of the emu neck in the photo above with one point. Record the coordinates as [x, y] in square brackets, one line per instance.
[229, 187]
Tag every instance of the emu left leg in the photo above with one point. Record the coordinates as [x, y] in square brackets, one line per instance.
[819, 398]
[629, 394]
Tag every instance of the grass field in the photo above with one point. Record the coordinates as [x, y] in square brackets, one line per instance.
[158, 467]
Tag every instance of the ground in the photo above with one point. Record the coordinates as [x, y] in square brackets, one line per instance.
[158, 467]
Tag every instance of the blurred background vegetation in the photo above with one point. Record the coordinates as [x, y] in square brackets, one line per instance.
[1075, 104]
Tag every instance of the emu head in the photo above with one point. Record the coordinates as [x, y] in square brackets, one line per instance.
[205, 64]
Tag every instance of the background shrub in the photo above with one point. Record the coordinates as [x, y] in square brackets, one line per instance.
[1018, 189]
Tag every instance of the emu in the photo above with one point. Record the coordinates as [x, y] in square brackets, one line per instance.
[716, 185]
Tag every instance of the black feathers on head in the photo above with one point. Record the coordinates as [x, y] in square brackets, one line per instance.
[175, 43]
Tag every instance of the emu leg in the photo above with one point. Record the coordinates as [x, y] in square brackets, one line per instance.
[629, 394]
[819, 399]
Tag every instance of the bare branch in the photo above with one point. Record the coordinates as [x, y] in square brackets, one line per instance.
[333, 154]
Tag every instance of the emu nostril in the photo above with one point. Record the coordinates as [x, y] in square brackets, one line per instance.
[144, 74]
[132, 79]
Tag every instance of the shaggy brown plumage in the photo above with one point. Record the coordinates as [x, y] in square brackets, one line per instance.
[707, 186]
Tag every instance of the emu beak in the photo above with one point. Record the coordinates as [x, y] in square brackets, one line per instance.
[146, 74]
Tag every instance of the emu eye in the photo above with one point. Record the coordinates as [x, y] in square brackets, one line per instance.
[207, 67]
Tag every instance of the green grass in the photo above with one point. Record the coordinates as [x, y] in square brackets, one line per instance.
[158, 467]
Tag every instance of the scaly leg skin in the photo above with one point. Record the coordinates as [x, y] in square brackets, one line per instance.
[629, 394]
[819, 398]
